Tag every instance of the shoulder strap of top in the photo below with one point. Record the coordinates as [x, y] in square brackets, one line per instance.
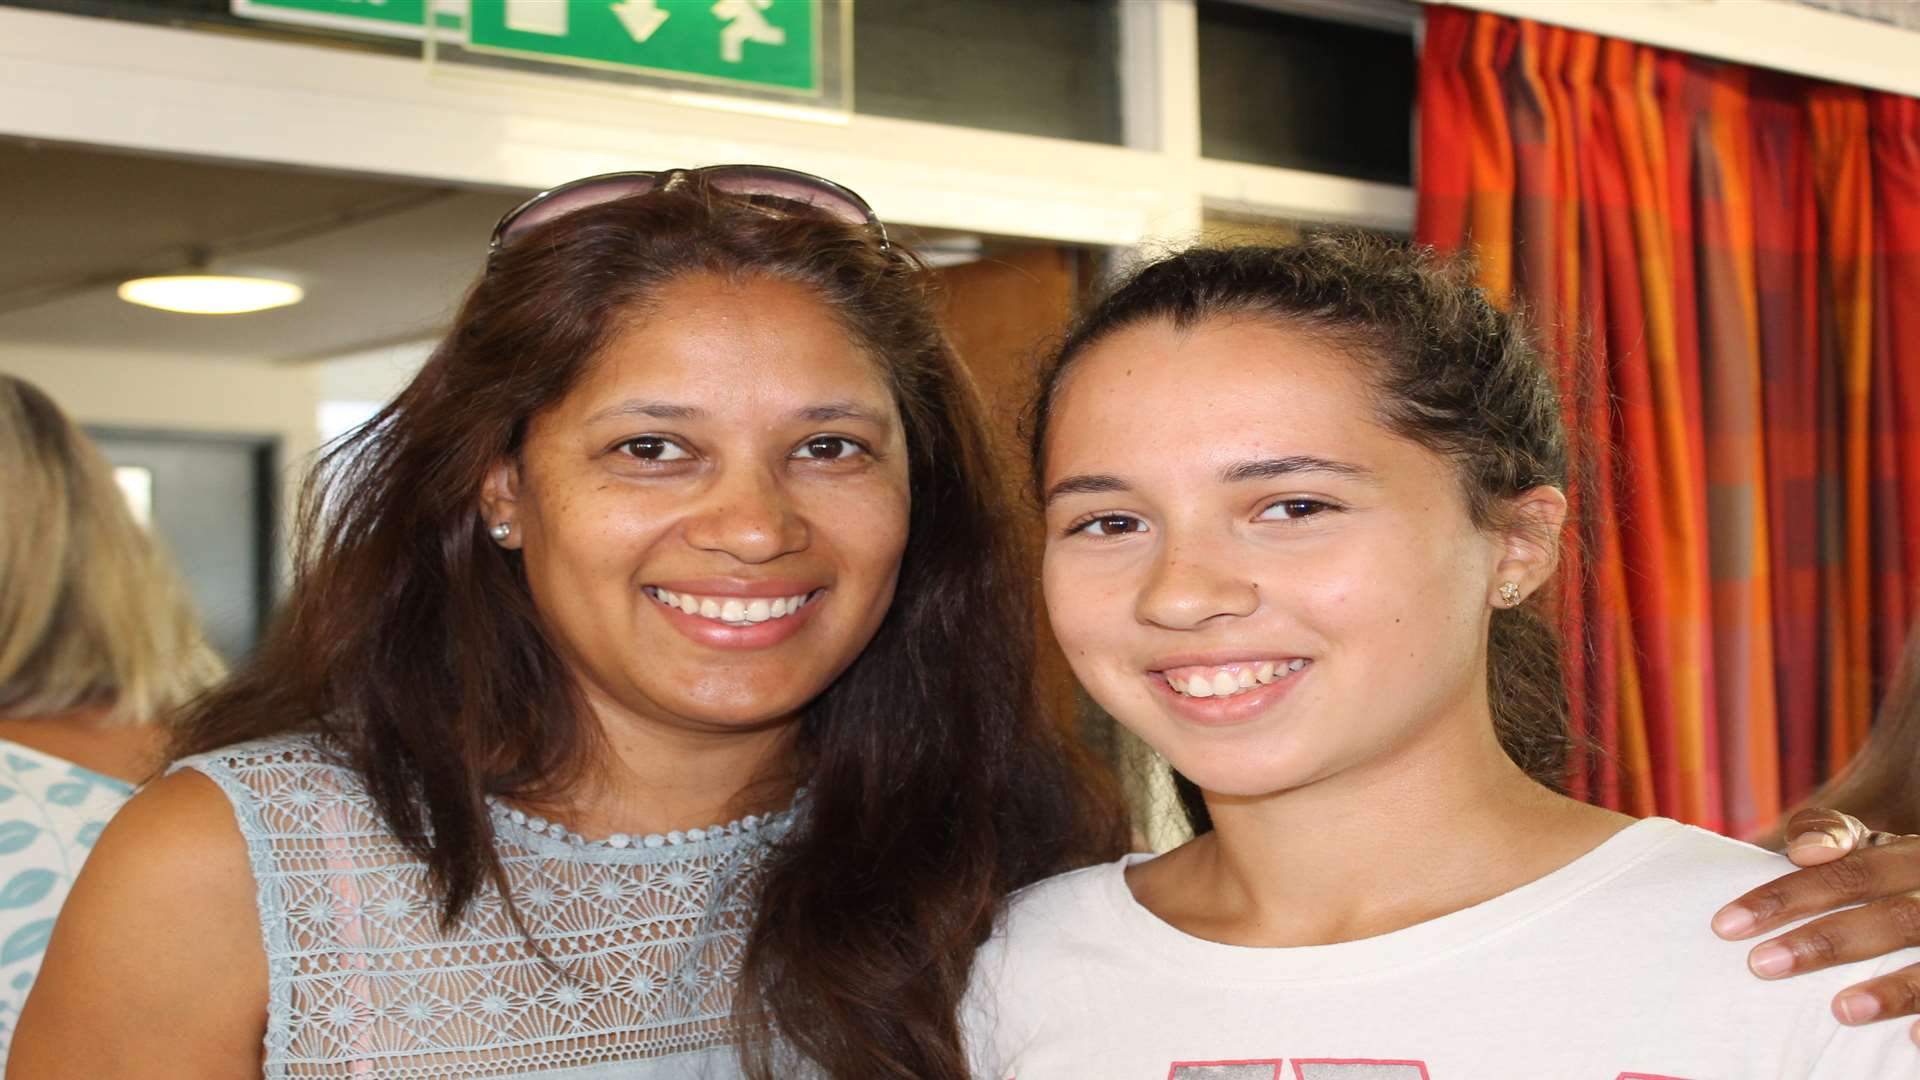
[299, 811]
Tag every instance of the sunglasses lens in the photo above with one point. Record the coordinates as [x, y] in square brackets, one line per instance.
[775, 188]
[760, 185]
[566, 201]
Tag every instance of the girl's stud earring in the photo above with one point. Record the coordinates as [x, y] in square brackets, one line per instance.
[1510, 593]
[501, 531]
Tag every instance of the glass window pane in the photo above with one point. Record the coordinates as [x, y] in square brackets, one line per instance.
[1036, 67]
[1305, 93]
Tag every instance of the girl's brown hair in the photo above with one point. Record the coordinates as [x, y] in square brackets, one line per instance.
[1448, 370]
[411, 643]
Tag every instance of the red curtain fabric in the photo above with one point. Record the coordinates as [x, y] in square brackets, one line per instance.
[1725, 267]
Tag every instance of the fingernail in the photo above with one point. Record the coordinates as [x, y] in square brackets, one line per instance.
[1770, 960]
[1733, 921]
[1814, 839]
[1858, 1008]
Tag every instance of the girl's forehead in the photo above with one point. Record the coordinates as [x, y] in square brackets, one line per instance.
[1218, 379]
[1236, 348]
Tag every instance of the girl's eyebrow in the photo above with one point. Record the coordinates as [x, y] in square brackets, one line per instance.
[1256, 469]
[1272, 468]
[1085, 484]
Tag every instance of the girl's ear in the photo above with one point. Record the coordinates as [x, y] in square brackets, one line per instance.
[1530, 544]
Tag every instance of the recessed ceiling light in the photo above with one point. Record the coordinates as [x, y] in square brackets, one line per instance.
[210, 294]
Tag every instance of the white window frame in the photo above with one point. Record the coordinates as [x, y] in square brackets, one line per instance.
[140, 87]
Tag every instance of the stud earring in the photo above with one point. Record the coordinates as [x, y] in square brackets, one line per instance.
[501, 531]
[1510, 593]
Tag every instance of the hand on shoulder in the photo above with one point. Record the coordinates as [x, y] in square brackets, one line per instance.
[156, 967]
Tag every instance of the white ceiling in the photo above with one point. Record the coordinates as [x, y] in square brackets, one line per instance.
[381, 261]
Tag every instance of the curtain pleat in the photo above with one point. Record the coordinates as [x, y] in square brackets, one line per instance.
[1895, 495]
[1724, 265]
[1786, 269]
[1844, 190]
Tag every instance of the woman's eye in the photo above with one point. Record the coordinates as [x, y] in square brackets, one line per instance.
[654, 448]
[1109, 525]
[828, 448]
[1288, 509]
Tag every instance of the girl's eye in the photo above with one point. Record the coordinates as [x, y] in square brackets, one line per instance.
[1290, 509]
[828, 448]
[654, 448]
[1109, 525]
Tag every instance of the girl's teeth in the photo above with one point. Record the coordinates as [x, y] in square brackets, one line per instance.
[733, 611]
[759, 611]
[1235, 679]
[709, 609]
[689, 605]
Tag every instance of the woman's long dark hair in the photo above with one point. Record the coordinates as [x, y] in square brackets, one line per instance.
[410, 643]
[1449, 371]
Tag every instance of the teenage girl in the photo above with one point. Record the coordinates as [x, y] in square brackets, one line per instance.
[1301, 506]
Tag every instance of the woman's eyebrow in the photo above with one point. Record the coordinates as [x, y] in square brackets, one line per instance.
[845, 409]
[1272, 468]
[656, 410]
[823, 413]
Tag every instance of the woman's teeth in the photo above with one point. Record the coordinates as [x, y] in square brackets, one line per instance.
[1232, 679]
[733, 610]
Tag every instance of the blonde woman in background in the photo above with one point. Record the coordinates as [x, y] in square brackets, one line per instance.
[97, 640]
[1881, 785]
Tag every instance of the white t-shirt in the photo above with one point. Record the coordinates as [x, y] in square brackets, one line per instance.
[1602, 970]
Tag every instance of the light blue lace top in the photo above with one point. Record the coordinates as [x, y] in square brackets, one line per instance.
[645, 940]
[51, 811]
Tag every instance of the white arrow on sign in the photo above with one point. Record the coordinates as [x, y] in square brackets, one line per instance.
[640, 17]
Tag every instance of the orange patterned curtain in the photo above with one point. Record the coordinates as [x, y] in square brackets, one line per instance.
[1725, 265]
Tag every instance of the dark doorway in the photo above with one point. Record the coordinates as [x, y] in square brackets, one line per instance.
[211, 503]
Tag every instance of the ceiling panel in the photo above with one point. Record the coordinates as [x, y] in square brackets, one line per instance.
[381, 260]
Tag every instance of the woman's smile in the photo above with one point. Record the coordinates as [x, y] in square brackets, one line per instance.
[738, 615]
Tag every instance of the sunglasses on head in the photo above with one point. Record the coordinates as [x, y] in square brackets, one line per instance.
[760, 185]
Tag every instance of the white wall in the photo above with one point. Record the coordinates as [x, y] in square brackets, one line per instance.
[170, 392]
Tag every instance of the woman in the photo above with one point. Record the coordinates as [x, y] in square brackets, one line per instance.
[1314, 591]
[689, 509]
[97, 641]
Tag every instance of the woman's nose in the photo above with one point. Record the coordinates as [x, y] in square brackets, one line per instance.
[749, 516]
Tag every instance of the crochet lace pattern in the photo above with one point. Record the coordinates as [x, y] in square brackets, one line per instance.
[642, 944]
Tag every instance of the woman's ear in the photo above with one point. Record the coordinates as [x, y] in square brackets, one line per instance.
[500, 503]
[1529, 543]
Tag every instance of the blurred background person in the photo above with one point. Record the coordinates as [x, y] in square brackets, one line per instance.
[1881, 785]
[98, 640]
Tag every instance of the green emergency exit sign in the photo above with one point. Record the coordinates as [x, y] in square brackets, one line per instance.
[404, 18]
[768, 43]
[771, 45]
